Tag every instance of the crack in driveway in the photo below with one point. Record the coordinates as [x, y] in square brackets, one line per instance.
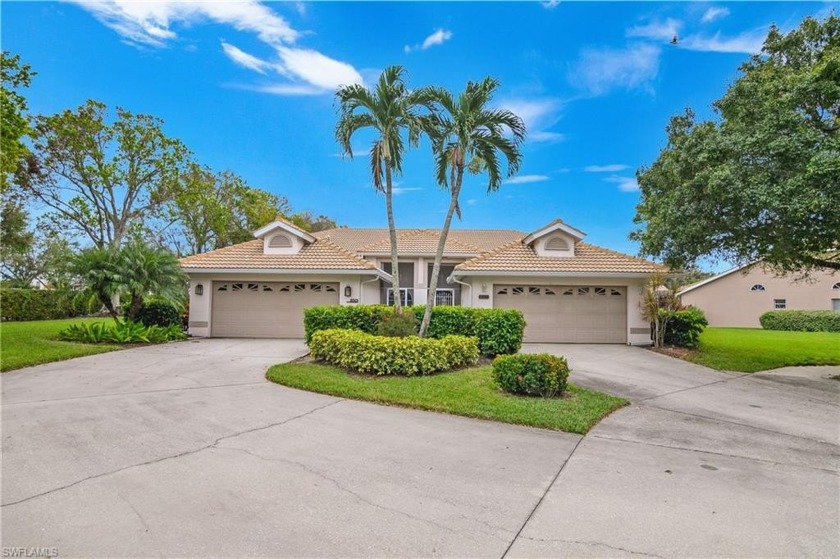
[593, 544]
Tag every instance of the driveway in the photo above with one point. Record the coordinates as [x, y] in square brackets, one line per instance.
[185, 450]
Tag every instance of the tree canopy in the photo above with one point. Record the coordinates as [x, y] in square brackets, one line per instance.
[762, 182]
[13, 124]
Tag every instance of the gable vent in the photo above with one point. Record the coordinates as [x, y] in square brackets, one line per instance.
[280, 241]
[557, 243]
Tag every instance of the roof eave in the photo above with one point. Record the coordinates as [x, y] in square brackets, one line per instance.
[289, 271]
[506, 273]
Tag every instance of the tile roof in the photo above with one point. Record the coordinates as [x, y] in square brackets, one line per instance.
[516, 257]
[321, 255]
[419, 241]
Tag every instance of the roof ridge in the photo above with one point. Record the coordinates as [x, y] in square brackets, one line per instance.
[494, 252]
[623, 254]
[464, 244]
[345, 252]
[221, 249]
[401, 234]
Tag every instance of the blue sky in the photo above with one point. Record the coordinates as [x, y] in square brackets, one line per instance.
[248, 87]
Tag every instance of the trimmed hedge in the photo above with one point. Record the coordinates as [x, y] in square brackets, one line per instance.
[684, 327]
[382, 355]
[40, 304]
[531, 375]
[801, 321]
[499, 331]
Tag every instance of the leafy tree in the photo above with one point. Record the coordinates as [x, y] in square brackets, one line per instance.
[100, 179]
[213, 210]
[312, 223]
[13, 124]
[469, 136]
[763, 181]
[391, 110]
[44, 259]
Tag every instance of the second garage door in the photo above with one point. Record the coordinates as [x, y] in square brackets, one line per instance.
[557, 314]
[266, 309]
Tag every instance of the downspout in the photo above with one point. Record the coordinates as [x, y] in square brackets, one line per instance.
[451, 279]
[362, 289]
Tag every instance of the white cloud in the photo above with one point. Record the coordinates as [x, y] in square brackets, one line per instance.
[439, 37]
[538, 114]
[657, 30]
[713, 13]
[153, 23]
[613, 168]
[472, 202]
[600, 70]
[244, 59]
[526, 179]
[300, 7]
[749, 42]
[397, 190]
[625, 184]
[550, 4]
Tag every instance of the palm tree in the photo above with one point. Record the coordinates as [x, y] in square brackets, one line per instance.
[469, 136]
[390, 109]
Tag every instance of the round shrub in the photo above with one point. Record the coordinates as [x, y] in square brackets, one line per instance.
[683, 327]
[158, 313]
[531, 375]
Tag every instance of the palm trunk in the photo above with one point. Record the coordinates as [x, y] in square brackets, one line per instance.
[392, 231]
[433, 281]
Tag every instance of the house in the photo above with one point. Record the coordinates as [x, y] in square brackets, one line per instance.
[738, 297]
[568, 290]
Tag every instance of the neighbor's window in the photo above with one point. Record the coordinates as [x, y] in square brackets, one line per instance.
[757, 287]
[779, 304]
[836, 285]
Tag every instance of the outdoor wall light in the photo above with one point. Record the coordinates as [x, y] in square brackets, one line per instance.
[484, 288]
[199, 289]
[348, 291]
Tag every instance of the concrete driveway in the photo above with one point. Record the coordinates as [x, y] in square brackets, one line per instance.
[185, 450]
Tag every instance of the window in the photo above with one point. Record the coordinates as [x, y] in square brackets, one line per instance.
[779, 304]
[557, 243]
[280, 241]
[757, 287]
[836, 286]
[406, 296]
[444, 297]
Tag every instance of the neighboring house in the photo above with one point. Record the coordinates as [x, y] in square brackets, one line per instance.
[739, 296]
[569, 291]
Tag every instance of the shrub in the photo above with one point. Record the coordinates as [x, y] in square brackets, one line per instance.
[398, 325]
[683, 327]
[121, 333]
[159, 313]
[381, 355]
[41, 304]
[532, 375]
[499, 331]
[801, 321]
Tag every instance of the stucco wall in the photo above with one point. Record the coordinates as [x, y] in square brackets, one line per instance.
[728, 301]
[638, 329]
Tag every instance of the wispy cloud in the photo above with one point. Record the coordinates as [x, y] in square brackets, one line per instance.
[656, 30]
[613, 168]
[599, 71]
[154, 24]
[472, 202]
[749, 42]
[439, 37]
[397, 190]
[625, 184]
[550, 4]
[526, 179]
[538, 114]
[714, 13]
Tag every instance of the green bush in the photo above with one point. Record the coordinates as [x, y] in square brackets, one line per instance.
[41, 304]
[531, 375]
[683, 327]
[801, 321]
[122, 332]
[398, 325]
[158, 313]
[381, 355]
[499, 331]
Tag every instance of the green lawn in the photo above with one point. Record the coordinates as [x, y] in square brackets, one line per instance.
[31, 343]
[470, 392]
[753, 349]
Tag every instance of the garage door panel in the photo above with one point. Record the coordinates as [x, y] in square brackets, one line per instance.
[568, 313]
[266, 309]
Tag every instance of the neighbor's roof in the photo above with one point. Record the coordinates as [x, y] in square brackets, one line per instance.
[321, 255]
[517, 257]
[420, 241]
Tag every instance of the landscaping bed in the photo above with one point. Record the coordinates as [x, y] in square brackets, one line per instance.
[468, 392]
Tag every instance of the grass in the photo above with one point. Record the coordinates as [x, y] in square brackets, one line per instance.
[469, 392]
[753, 349]
[23, 344]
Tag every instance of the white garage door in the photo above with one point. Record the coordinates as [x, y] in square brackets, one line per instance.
[266, 309]
[568, 313]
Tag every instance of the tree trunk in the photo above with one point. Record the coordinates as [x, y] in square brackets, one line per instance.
[392, 231]
[433, 281]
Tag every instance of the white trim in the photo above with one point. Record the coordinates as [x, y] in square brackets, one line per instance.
[713, 278]
[467, 255]
[288, 271]
[468, 273]
[539, 233]
[264, 230]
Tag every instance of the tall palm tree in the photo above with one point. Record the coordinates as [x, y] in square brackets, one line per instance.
[391, 109]
[467, 135]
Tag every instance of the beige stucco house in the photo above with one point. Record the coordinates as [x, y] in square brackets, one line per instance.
[738, 297]
[569, 290]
